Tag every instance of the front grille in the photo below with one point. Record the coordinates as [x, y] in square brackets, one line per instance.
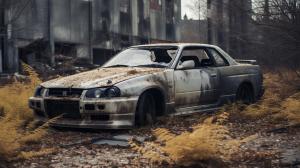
[89, 107]
[64, 108]
[64, 92]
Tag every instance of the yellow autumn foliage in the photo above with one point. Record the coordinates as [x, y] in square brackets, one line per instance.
[16, 121]
[210, 141]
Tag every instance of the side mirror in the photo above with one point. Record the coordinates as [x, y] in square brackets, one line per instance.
[187, 65]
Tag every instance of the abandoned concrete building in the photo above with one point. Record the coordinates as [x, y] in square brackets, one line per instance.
[228, 24]
[91, 30]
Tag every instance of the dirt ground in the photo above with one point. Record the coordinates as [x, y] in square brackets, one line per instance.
[271, 146]
[273, 143]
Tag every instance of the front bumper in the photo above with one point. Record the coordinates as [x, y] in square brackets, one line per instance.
[114, 113]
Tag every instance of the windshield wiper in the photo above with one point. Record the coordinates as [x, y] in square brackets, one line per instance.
[118, 65]
[153, 65]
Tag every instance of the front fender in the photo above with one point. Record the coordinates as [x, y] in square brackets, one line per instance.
[136, 86]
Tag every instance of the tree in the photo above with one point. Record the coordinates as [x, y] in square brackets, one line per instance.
[198, 7]
[279, 25]
[272, 35]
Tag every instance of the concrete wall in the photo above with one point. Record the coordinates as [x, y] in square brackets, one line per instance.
[70, 20]
[32, 23]
[95, 24]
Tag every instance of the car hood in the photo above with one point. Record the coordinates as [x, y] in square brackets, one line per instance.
[100, 77]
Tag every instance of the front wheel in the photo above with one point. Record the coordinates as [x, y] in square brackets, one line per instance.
[146, 110]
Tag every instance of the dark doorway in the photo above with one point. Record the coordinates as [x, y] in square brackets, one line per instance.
[65, 49]
[34, 52]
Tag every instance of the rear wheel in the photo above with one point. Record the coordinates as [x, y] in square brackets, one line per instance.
[245, 94]
[146, 110]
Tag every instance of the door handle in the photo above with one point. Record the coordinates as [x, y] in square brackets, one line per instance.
[213, 75]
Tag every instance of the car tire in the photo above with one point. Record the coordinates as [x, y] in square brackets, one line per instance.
[245, 94]
[146, 110]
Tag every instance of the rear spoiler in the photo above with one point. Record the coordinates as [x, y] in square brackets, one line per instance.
[253, 62]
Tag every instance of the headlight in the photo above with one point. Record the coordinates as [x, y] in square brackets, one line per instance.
[113, 92]
[39, 91]
[103, 92]
[98, 93]
[95, 93]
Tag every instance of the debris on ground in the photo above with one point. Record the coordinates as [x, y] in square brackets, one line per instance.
[267, 133]
[118, 140]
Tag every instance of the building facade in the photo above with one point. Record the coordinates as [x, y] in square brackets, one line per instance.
[92, 30]
[228, 24]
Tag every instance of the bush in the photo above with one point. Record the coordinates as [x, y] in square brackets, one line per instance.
[16, 121]
[209, 142]
[281, 100]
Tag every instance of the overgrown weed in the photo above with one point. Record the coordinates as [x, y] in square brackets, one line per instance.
[281, 100]
[16, 121]
[210, 141]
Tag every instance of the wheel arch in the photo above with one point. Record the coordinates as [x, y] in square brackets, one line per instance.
[250, 85]
[246, 82]
[160, 98]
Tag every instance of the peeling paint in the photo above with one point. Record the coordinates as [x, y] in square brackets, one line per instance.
[190, 90]
[204, 81]
[99, 77]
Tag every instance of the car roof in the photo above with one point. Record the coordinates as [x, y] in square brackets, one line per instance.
[174, 44]
[230, 60]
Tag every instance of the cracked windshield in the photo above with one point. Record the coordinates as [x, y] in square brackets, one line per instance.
[143, 57]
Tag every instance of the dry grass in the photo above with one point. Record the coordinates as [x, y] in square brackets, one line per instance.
[31, 154]
[281, 100]
[210, 141]
[16, 119]
[291, 109]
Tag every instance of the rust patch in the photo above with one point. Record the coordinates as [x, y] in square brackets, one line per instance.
[99, 77]
[132, 72]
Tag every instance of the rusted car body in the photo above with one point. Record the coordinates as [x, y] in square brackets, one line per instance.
[147, 81]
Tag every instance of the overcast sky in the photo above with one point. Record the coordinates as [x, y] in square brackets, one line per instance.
[186, 10]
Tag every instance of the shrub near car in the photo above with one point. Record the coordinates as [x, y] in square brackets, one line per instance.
[144, 82]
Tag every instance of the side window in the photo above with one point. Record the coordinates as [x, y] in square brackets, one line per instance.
[197, 55]
[220, 61]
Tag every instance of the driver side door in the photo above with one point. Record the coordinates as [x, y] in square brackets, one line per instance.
[195, 86]
[187, 90]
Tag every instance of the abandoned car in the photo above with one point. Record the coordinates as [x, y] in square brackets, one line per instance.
[144, 82]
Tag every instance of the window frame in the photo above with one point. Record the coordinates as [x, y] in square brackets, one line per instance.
[196, 47]
[221, 55]
[141, 47]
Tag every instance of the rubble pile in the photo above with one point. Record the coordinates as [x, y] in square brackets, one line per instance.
[64, 65]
